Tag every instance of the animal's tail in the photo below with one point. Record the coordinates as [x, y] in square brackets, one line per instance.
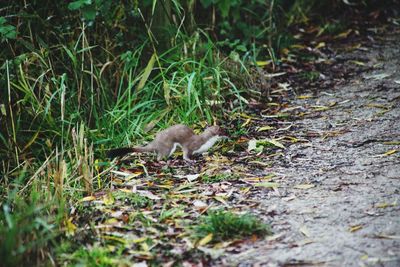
[122, 151]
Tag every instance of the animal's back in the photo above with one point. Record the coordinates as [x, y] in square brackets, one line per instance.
[175, 134]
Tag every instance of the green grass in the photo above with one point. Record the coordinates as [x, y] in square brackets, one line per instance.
[310, 75]
[225, 225]
[133, 199]
[93, 256]
[218, 177]
[28, 226]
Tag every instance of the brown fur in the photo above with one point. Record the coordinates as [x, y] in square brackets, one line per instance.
[164, 142]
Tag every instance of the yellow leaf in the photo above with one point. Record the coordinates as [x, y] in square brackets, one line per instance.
[304, 186]
[139, 240]
[364, 257]
[355, 228]
[304, 96]
[263, 63]
[385, 205]
[265, 128]
[357, 62]
[374, 105]
[246, 122]
[267, 184]
[205, 240]
[395, 143]
[320, 108]
[108, 199]
[344, 34]
[71, 227]
[88, 198]
[111, 221]
[321, 44]
[390, 152]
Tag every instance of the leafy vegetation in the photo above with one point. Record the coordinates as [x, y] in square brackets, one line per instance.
[227, 225]
[81, 77]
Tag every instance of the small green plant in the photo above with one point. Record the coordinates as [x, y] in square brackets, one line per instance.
[6, 31]
[171, 213]
[218, 177]
[311, 75]
[26, 229]
[227, 225]
[96, 257]
[133, 199]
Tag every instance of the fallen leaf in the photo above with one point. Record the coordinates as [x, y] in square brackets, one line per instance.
[385, 205]
[343, 34]
[252, 145]
[378, 76]
[199, 204]
[392, 143]
[246, 122]
[205, 240]
[359, 63]
[304, 96]
[320, 45]
[70, 227]
[192, 177]
[108, 199]
[355, 228]
[304, 186]
[265, 128]
[304, 230]
[390, 152]
[274, 142]
[267, 184]
[88, 198]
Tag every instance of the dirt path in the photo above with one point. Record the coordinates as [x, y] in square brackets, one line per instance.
[351, 217]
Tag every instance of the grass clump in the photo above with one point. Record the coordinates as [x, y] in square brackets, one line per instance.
[27, 229]
[95, 256]
[218, 178]
[227, 225]
[133, 199]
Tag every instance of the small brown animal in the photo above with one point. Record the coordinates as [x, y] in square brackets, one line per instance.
[166, 141]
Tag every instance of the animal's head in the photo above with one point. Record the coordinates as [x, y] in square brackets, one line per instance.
[215, 130]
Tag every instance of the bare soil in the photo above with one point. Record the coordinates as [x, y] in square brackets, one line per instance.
[338, 199]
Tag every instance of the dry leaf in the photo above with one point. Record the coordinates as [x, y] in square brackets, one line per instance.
[205, 240]
[265, 128]
[267, 184]
[305, 231]
[355, 228]
[192, 177]
[304, 186]
[88, 198]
